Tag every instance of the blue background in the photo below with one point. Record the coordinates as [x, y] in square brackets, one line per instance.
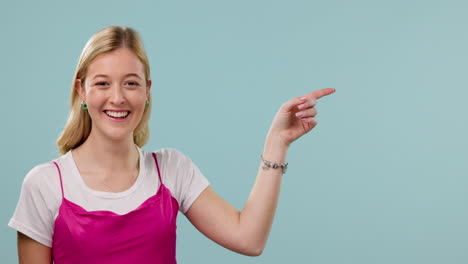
[381, 179]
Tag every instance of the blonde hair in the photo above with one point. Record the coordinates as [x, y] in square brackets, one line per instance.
[78, 126]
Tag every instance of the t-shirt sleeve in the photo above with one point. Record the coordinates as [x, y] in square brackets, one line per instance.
[32, 216]
[185, 177]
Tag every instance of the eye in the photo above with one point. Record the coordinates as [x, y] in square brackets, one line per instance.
[101, 83]
[132, 83]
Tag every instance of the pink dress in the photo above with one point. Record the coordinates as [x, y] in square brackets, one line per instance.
[146, 234]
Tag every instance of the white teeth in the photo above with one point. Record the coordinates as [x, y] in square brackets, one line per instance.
[117, 114]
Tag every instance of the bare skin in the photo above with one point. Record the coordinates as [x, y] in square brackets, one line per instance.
[31, 251]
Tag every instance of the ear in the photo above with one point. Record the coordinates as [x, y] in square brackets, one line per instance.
[80, 89]
[148, 88]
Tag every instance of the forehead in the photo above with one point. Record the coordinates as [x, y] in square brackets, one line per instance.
[116, 63]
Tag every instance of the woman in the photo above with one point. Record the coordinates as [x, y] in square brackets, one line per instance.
[105, 200]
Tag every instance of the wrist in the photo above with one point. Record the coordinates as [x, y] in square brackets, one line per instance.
[275, 140]
[275, 148]
[268, 164]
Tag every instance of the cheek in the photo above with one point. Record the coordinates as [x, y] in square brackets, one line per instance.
[95, 99]
[137, 99]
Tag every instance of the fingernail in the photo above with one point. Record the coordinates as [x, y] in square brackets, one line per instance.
[303, 98]
[301, 106]
[299, 114]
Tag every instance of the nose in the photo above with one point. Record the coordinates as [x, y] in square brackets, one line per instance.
[117, 96]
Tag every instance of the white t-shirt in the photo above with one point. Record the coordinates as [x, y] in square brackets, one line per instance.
[41, 194]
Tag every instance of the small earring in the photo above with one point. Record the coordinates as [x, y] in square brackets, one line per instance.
[146, 104]
[84, 106]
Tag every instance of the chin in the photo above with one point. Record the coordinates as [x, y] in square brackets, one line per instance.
[120, 136]
[116, 135]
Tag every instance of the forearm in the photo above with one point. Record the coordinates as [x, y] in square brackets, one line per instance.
[257, 216]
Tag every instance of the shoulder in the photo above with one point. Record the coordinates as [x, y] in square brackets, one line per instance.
[180, 174]
[40, 176]
[43, 179]
[170, 153]
[172, 162]
[171, 157]
[38, 203]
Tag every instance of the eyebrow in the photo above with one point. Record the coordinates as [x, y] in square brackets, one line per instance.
[127, 75]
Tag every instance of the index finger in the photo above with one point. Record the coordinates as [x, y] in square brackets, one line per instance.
[320, 93]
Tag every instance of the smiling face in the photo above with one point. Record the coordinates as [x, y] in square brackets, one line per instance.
[115, 91]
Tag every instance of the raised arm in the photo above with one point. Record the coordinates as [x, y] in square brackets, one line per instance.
[246, 231]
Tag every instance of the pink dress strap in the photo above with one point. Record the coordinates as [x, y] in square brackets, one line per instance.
[60, 175]
[157, 166]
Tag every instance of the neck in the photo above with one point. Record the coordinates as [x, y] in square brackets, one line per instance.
[103, 154]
